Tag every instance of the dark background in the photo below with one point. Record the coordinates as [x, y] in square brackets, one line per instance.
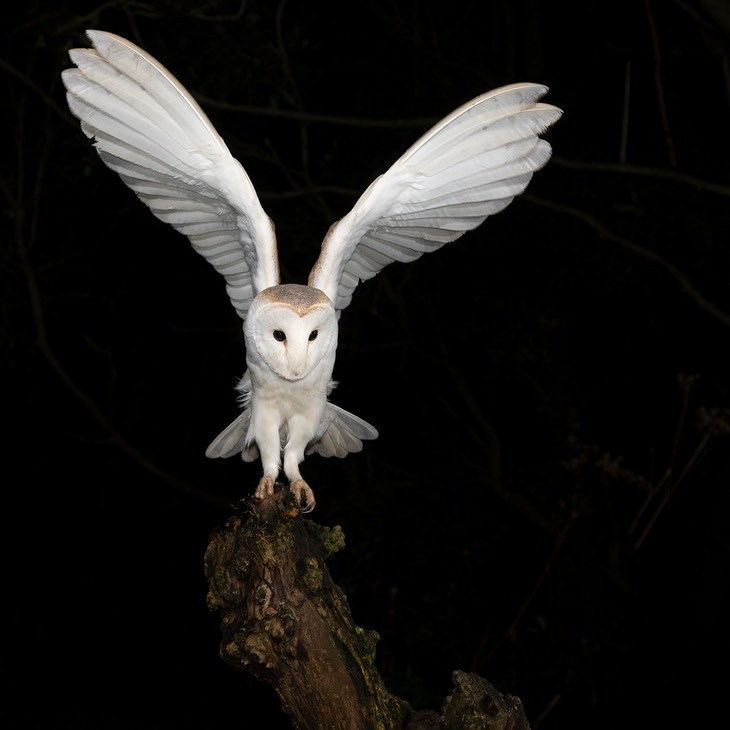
[547, 504]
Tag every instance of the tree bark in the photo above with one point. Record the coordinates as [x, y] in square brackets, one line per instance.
[285, 621]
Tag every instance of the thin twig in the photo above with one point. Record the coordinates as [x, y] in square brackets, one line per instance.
[671, 154]
[697, 454]
[509, 633]
[669, 471]
[625, 115]
[659, 173]
[686, 285]
[299, 115]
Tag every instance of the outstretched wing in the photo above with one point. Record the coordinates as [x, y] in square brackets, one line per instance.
[469, 166]
[148, 128]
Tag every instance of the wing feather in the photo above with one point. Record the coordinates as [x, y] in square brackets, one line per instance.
[341, 433]
[148, 129]
[469, 166]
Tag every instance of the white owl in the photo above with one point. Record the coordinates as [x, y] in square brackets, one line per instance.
[148, 128]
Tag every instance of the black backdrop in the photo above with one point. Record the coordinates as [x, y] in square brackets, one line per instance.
[528, 381]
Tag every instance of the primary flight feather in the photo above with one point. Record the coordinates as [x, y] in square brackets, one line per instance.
[148, 128]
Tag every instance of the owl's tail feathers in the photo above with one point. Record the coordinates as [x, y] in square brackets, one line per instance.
[232, 440]
[342, 433]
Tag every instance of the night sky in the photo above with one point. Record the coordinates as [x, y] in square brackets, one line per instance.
[547, 504]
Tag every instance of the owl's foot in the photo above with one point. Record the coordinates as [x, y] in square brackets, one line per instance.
[303, 493]
[265, 488]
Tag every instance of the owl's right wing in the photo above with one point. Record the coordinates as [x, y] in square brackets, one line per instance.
[148, 128]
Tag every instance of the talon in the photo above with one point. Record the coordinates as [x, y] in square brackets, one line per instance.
[265, 488]
[304, 494]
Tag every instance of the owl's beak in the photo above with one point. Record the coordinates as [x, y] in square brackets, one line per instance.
[296, 358]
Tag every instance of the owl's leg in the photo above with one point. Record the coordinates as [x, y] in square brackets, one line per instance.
[269, 449]
[293, 456]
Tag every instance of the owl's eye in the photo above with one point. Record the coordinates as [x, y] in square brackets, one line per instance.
[279, 335]
[313, 335]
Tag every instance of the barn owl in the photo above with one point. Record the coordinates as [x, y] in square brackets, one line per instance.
[149, 129]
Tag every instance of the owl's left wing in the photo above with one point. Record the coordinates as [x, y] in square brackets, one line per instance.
[148, 128]
[469, 166]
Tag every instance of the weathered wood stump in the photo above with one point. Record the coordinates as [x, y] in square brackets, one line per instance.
[285, 621]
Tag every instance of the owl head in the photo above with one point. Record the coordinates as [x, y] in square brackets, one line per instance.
[293, 329]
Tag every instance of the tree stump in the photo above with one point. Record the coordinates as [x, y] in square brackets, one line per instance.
[285, 621]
